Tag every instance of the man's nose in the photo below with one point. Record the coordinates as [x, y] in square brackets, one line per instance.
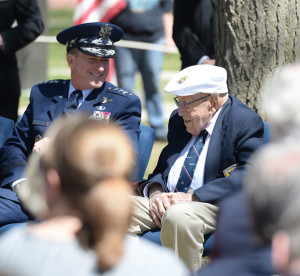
[180, 110]
[100, 66]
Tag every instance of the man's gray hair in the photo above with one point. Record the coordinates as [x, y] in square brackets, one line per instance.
[281, 102]
[272, 185]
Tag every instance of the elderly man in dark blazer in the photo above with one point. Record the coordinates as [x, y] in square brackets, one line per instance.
[182, 193]
[12, 38]
[194, 31]
[89, 47]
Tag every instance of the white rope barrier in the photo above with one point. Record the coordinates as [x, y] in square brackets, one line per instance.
[123, 43]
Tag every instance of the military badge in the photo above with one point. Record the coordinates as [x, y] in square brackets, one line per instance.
[40, 123]
[105, 31]
[227, 172]
[181, 80]
[100, 115]
[101, 107]
[106, 100]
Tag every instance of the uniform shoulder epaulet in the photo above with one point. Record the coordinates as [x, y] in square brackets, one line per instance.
[52, 82]
[119, 91]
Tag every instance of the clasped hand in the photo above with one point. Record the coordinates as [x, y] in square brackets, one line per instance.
[160, 202]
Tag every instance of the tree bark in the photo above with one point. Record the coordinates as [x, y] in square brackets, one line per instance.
[253, 38]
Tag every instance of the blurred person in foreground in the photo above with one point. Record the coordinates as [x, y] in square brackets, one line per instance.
[274, 203]
[79, 188]
[273, 192]
[89, 47]
[211, 136]
[281, 97]
[13, 37]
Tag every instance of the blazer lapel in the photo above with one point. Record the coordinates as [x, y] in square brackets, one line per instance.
[58, 102]
[180, 141]
[216, 145]
[93, 100]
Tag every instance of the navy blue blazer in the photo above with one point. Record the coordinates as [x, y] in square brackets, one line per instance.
[238, 132]
[47, 102]
[236, 250]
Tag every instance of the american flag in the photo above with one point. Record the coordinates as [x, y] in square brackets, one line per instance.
[97, 10]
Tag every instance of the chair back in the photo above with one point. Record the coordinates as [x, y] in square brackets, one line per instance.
[267, 133]
[6, 126]
[146, 142]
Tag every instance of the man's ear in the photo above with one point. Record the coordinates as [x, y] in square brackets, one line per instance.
[280, 251]
[70, 60]
[214, 100]
[53, 187]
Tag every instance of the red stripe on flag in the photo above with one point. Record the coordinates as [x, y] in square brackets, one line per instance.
[83, 18]
[113, 11]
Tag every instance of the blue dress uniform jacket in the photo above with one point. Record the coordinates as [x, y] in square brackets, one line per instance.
[238, 132]
[47, 102]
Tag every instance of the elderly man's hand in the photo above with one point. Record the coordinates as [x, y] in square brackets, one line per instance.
[158, 203]
[209, 61]
[40, 145]
[181, 197]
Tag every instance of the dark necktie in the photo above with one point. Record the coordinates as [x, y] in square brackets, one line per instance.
[73, 102]
[189, 165]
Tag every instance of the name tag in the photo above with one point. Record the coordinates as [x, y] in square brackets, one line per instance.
[39, 122]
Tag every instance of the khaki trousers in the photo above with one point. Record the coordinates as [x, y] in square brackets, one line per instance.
[183, 227]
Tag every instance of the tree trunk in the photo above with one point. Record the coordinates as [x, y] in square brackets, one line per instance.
[253, 37]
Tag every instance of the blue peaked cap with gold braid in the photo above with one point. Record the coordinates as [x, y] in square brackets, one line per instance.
[95, 39]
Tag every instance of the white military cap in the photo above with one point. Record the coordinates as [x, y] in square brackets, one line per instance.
[198, 79]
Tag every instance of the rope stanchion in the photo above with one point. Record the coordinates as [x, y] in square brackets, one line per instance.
[123, 43]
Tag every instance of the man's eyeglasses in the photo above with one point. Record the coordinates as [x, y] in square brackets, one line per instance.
[186, 105]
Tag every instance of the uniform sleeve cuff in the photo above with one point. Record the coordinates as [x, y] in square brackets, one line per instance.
[202, 59]
[17, 182]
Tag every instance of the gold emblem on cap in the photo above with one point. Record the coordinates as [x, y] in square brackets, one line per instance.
[181, 80]
[105, 31]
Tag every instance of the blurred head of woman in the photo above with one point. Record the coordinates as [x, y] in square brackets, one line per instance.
[80, 181]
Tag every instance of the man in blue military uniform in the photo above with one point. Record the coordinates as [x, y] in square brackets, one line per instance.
[89, 47]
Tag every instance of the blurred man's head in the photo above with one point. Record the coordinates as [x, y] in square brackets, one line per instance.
[273, 188]
[84, 173]
[281, 101]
